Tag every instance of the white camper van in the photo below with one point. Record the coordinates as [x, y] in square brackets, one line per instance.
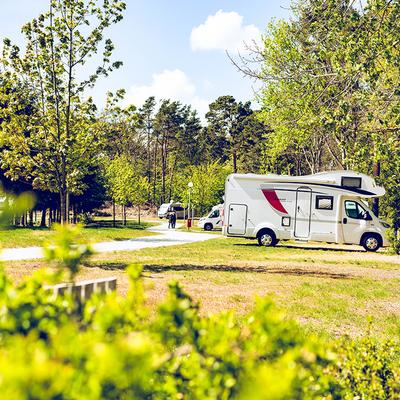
[213, 220]
[325, 207]
[171, 206]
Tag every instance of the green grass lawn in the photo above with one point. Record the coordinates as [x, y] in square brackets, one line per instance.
[331, 290]
[99, 231]
[337, 291]
[230, 252]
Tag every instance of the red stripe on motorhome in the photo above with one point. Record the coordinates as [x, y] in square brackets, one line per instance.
[273, 199]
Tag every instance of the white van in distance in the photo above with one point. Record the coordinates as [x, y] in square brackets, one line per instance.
[324, 207]
[213, 220]
[168, 207]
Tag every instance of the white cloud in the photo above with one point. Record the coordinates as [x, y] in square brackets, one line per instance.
[201, 105]
[168, 84]
[223, 31]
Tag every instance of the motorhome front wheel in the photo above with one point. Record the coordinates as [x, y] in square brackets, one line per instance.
[371, 242]
[267, 238]
[208, 227]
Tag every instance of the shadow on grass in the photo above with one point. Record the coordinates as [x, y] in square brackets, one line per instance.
[27, 228]
[118, 225]
[227, 268]
[94, 225]
[296, 247]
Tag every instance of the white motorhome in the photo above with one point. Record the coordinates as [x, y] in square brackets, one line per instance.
[324, 207]
[213, 220]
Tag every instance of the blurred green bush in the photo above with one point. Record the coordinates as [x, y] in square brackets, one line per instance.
[111, 348]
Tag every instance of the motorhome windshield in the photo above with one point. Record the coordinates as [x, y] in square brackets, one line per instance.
[214, 214]
[164, 207]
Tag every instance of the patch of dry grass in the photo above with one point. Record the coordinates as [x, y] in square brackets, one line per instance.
[334, 292]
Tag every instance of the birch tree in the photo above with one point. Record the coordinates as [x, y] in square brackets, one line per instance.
[58, 141]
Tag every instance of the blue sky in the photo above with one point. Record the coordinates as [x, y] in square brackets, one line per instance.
[172, 48]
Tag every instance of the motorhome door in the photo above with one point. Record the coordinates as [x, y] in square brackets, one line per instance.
[356, 220]
[237, 219]
[303, 212]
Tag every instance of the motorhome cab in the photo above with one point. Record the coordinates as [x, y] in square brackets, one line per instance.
[213, 220]
[325, 207]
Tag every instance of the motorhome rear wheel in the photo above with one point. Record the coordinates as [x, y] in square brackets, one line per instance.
[267, 238]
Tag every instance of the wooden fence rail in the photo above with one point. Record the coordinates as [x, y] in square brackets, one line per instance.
[83, 290]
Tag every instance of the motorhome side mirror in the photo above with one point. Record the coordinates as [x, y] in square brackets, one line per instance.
[368, 216]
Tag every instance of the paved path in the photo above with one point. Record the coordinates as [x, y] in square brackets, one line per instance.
[165, 237]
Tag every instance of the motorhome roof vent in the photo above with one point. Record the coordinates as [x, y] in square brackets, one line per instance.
[351, 181]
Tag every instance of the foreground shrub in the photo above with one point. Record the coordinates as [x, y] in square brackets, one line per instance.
[370, 370]
[52, 349]
[110, 348]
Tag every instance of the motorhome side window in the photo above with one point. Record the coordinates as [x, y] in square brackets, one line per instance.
[350, 181]
[354, 210]
[324, 202]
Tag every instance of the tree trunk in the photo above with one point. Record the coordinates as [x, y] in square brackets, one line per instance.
[113, 213]
[163, 174]
[139, 215]
[171, 179]
[31, 218]
[43, 219]
[75, 214]
[124, 215]
[234, 161]
[155, 173]
[164, 161]
[148, 162]
[63, 206]
[375, 201]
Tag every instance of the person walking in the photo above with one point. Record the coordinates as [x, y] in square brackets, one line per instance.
[169, 217]
[173, 219]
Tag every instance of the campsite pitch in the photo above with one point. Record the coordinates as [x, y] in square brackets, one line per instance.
[336, 290]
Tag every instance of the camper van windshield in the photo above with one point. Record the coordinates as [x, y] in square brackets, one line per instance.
[164, 207]
[214, 214]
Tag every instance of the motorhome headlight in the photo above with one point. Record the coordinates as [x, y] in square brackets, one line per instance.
[385, 224]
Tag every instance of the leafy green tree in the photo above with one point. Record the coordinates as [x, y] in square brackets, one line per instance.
[330, 91]
[176, 128]
[58, 141]
[94, 193]
[146, 118]
[254, 143]
[125, 184]
[119, 176]
[121, 128]
[225, 127]
[139, 192]
[208, 185]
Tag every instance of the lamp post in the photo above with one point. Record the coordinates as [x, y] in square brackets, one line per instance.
[189, 221]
